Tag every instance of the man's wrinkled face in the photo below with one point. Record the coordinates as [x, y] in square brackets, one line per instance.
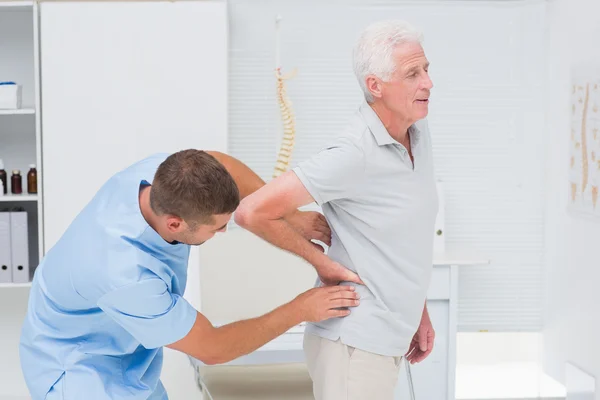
[407, 91]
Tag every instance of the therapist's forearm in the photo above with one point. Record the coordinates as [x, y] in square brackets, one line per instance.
[243, 337]
[281, 234]
[220, 345]
[246, 180]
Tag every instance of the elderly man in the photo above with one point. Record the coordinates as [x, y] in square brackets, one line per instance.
[376, 186]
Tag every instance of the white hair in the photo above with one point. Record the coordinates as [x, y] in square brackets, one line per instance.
[374, 50]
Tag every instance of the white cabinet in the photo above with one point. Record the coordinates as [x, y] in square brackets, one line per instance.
[123, 80]
[434, 378]
[20, 135]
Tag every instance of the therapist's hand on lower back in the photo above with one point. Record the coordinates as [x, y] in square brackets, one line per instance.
[311, 225]
[218, 345]
[332, 273]
[324, 303]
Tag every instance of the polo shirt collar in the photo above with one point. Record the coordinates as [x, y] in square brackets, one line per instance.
[378, 130]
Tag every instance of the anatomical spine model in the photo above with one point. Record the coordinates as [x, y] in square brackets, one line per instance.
[287, 114]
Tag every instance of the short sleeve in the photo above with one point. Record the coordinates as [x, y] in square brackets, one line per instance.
[333, 173]
[150, 312]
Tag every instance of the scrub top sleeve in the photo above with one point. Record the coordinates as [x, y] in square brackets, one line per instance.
[150, 312]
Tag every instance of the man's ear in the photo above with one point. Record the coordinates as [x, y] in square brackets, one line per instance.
[374, 86]
[175, 224]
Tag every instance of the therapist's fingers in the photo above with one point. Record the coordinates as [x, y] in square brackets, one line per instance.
[353, 296]
[339, 303]
[338, 313]
[325, 232]
[318, 247]
[322, 303]
[336, 289]
[322, 237]
[353, 277]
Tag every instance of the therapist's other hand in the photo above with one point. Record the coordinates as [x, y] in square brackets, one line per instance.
[311, 225]
[332, 273]
[327, 302]
[421, 345]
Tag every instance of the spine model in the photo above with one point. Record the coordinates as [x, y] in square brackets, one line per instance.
[285, 108]
[289, 124]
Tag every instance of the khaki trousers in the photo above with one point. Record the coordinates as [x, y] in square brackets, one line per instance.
[341, 372]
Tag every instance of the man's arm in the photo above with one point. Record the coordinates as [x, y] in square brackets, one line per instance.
[423, 340]
[311, 225]
[263, 214]
[247, 181]
[220, 345]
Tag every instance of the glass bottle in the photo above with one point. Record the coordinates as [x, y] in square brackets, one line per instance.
[32, 180]
[16, 183]
[3, 176]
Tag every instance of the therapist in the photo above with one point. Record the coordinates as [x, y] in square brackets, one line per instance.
[108, 296]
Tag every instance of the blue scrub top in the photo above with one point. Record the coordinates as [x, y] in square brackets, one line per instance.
[105, 299]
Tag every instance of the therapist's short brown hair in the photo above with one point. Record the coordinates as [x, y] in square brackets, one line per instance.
[194, 186]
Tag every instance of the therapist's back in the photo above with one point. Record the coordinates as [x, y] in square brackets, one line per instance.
[108, 295]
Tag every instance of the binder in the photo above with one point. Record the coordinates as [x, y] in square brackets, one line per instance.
[20, 246]
[5, 248]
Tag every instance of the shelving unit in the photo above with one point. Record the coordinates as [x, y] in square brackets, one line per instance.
[21, 111]
[20, 136]
[17, 5]
[15, 285]
[15, 198]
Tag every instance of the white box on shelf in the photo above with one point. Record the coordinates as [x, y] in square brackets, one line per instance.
[10, 96]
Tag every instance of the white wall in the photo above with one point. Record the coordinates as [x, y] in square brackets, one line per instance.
[572, 246]
[243, 276]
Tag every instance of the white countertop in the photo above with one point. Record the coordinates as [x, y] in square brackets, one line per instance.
[459, 258]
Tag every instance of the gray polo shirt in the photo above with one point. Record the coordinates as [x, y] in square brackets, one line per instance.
[382, 213]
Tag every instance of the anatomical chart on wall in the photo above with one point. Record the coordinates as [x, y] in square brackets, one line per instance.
[584, 143]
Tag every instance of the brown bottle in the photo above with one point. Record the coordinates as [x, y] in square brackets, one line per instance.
[16, 184]
[3, 176]
[32, 180]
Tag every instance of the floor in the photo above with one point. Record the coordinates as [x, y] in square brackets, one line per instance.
[505, 381]
[291, 382]
[499, 381]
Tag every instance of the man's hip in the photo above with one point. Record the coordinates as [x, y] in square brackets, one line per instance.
[341, 372]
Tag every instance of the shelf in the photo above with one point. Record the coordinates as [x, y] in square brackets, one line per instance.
[20, 111]
[15, 5]
[18, 197]
[15, 285]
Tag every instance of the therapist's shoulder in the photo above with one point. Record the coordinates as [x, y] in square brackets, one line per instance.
[147, 164]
